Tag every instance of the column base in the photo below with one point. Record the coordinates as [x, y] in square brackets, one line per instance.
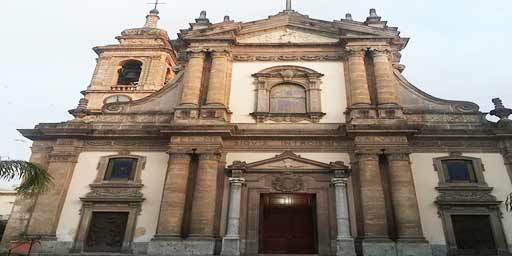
[183, 247]
[379, 247]
[230, 246]
[345, 247]
[416, 248]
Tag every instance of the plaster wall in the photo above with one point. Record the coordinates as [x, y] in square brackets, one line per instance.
[243, 94]
[426, 180]
[153, 176]
[7, 199]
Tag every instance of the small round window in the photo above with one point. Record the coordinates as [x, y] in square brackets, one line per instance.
[117, 99]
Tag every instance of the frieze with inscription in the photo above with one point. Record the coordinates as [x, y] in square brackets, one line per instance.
[332, 144]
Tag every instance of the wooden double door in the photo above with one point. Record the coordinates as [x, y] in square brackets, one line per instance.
[288, 224]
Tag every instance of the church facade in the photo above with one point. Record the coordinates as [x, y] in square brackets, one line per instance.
[286, 135]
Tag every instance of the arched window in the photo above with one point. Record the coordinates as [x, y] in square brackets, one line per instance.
[288, 98]
[129, 73]
[117, 99]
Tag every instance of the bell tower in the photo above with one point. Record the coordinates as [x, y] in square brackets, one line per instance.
[141, 64]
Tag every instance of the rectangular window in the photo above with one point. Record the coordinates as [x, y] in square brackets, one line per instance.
[459, 171]
[121, 169]
[473, 232]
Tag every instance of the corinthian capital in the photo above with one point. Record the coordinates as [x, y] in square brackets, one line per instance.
[356, 52]
[196, 53]
[220, 52]
[376, 53]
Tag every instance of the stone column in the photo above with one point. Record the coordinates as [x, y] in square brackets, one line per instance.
[376, 236]
[21, 210]
[202, 226]
[405, 207]
[231, 242]
[384, 78]
[344, 241]
[192, 79]
[48, 208]
[360, 94]
[172, 208]
[217, 89]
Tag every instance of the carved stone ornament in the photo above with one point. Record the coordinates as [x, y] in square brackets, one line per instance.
[466, 197]
[238, 165]
[287, 182]
[114, 193]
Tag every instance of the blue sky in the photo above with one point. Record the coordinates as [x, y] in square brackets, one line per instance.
[458, 49]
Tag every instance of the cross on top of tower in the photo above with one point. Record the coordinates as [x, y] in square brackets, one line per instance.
[156, 3]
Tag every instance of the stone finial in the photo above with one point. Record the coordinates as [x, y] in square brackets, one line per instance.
[201, 22]
[202, 15]
[501, 112]
[152, 19]
[226, 18]
[498, 103]
[373, 13]
[373, 18]
[348, 16]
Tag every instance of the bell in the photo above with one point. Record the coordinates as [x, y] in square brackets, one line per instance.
[131, 75]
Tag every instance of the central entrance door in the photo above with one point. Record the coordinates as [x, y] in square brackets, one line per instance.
[288, 224]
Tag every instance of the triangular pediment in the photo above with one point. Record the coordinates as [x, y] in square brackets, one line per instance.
[288, 27]
[288, 161]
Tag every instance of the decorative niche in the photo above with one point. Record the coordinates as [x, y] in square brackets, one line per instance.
[288, 94]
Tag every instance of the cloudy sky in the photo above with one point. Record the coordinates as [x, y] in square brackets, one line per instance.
[458, 49]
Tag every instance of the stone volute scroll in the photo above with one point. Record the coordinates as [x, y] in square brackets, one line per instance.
[288, 94]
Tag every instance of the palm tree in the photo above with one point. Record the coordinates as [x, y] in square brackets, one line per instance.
[34, 178]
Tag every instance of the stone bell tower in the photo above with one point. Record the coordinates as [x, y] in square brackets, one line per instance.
[142, 63]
